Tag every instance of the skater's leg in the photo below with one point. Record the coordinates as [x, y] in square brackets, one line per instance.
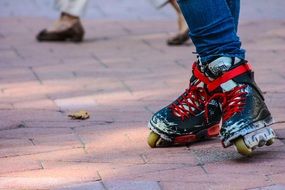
[227, 76]
[234, 6]
[212, 28]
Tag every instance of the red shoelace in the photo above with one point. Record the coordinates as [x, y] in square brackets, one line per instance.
[193, 97]
[232, 102]
[190, 101]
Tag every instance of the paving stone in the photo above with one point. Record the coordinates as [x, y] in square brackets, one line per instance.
[18, 164]
[52, 176]
[166, 185]
[271, 187]
[278, 178]
[84, 186]
[132, 185]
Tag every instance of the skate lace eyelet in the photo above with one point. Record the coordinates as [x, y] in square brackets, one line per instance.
[189, 102]
[232, 101]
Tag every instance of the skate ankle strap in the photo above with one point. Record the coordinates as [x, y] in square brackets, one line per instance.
[213, 84]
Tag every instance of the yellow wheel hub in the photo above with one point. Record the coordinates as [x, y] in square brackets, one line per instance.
[270, 142]
[152, 139]
[241, 147]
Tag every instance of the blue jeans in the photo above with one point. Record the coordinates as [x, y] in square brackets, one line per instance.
[213, 27]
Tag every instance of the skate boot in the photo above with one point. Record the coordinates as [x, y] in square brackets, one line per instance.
[187, 119]
[245, 118]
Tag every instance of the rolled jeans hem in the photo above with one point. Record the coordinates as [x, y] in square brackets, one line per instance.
[211, 57]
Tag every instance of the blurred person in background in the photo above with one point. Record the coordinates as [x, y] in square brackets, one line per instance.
[182, 36]
[68, 26]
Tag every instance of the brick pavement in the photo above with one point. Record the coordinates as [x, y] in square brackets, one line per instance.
[121, 74]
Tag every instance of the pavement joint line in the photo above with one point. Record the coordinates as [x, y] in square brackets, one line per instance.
[101, 11]
[61, 61]
[200, 163]
[83, 182]
[162, 51]
[159, 185]
[278, 73]
[99, 122]
[181, 166]
[203, 168]
[103, 185]
[79, 139]
[99, 60]
[147, 109]
[166, 84]
[146, 42]
[36, 75]
[101, 180]
[21, 125]
[53, 101]
[269, 179]
[17, 171]
[177, 62]
[51, 50]
[74, 74]
[100, 177]
[93, 162]
[127, 30]
[41, 164]
[128, 137]
[267, 187]
[144, 158]
[43, 152]
[126, 86]
[18, 53]
[32, 141]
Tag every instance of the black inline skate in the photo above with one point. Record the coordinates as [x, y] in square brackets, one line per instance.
[189, 118]
[245, 116]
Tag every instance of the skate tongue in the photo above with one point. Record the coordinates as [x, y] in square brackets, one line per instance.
[220, 66]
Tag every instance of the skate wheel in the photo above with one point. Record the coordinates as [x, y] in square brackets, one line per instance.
[270, 142]
[152, 139]
[241, 147]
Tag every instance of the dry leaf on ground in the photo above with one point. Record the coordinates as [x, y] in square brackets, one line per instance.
[79, 115]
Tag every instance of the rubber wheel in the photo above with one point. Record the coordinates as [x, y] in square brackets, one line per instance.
[270, 142]
[241, 147]
[152, 139]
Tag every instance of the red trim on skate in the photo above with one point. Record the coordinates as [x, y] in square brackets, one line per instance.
[185, 139]
[214, 131]
[212, 85]
[211, 132]
[201, 76]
